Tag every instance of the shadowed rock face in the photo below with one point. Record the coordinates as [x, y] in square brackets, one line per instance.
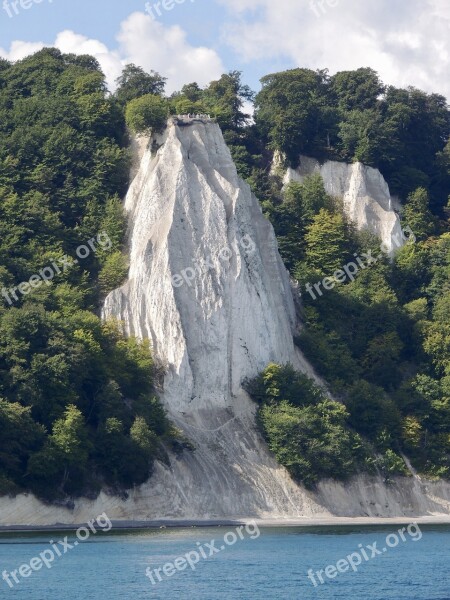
[365, 193]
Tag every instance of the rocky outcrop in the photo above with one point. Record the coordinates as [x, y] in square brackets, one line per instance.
[365, 193]
[206, 282]
[208, 287]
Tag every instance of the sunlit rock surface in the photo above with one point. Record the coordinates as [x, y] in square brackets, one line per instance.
[208, 288]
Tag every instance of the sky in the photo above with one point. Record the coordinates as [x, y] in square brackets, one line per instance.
[406, 41]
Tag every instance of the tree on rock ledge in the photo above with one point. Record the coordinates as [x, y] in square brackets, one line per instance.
[145, 113]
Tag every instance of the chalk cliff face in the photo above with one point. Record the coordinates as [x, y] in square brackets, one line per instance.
[206, 283]
[208, 288]
[365, 193]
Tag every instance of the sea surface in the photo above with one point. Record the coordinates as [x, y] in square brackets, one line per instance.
[252, 564]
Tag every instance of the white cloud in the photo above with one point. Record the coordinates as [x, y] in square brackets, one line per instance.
[70, 42]
[406, 41]
[73, 43]
[441, 8]
[142, 41]
[148, 43]
[19, 50]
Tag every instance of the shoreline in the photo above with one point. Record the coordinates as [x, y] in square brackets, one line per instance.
[303, 522]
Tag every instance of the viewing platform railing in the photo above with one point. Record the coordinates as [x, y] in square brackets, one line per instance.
[191, 119]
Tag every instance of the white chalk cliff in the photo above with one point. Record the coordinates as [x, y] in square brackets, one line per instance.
[207, 286]
[365, 193]
[206, 283]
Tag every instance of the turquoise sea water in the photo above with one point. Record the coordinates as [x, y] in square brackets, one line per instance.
[271, 566]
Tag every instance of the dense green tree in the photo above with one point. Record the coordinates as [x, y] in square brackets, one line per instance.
[113, 273]
[371, 410]
[291, 218]
[134, 83]
[143, 436]
[192, 91]
[225, 100]
[20, 437]
[363, 136]
[181, 105]
[146, 113]
[357, 90]
[311, 442]
[290, 110]
[283, 382]
[327, 242]
[420, 127]
[382, 358]
[417, 215]
[63, 169]
[69, 436]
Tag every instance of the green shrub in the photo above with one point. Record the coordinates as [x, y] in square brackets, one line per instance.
[113, 272]
[147, 113]
[307, 432]
[312, 442]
